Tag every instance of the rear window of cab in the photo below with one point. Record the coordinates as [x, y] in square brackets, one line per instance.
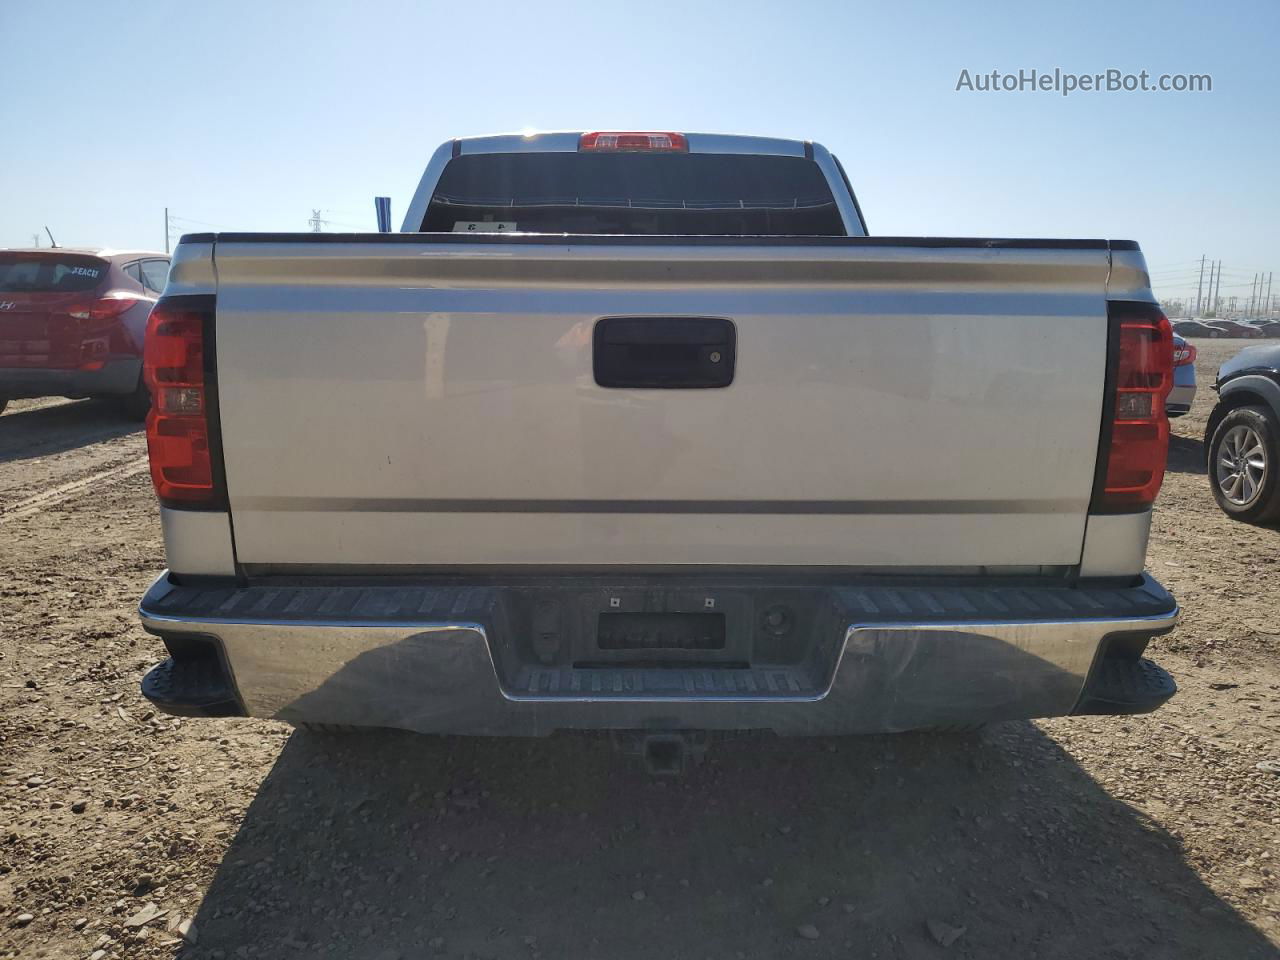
[680, 194]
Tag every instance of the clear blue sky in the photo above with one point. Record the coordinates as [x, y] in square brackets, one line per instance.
[246, 115]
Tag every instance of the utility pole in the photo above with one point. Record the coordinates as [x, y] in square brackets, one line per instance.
[1253, 294]
[1270, 274]
[1217, 289]
[1208, 303]
[35, 240]
[1200, 285]
[315, 221]
[166, 229]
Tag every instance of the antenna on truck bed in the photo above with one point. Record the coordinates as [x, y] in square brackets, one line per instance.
[52, 242]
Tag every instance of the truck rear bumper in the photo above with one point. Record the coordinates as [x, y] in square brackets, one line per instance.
[529, 658]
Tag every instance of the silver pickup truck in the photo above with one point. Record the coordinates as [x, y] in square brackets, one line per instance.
[642, 431]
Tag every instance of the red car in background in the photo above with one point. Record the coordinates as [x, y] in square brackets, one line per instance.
[1234, 328]
[72, 323]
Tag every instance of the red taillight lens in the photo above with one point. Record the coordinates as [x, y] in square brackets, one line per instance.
[178, 430]
[105, 308]
[1138, 434]
[181, 466]
[633, 142]
[1184, 354]
[174, 350]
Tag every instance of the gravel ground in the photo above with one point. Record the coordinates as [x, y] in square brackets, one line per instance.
[121, 830]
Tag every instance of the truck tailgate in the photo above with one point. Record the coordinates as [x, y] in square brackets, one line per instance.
[428, 401]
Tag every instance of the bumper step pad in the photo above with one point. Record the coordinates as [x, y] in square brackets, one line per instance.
[864, 604]
[1118, 687]
[192, 687]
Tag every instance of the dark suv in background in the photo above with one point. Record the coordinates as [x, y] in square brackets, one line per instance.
[72, 323]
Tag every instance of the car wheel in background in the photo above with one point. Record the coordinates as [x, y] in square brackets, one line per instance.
[1244, 458]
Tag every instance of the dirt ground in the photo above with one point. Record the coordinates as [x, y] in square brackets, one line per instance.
[1152, 836]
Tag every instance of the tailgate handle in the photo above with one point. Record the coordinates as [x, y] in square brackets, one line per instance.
[671, 353]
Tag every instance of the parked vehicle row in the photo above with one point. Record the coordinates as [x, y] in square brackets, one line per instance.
[1217, 329]
[72, 323]
[1237, 328]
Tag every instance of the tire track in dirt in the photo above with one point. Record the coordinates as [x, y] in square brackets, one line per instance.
[50, 452]
[26, 479]
[66, 491]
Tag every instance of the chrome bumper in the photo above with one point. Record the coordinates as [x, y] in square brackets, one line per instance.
[899, 658]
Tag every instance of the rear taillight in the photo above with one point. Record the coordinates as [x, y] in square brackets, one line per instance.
[104, 308]
[1135, 436]
[634, 142]
[177, 365]
[1184, 354]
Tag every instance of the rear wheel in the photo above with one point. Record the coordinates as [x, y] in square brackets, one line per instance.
[1244, 460]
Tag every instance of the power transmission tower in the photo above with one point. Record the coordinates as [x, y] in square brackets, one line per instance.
[1209, 297]
[1217, 290]
[35, 240]
[316, 222]
[1270, 274]
[1200, 285]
